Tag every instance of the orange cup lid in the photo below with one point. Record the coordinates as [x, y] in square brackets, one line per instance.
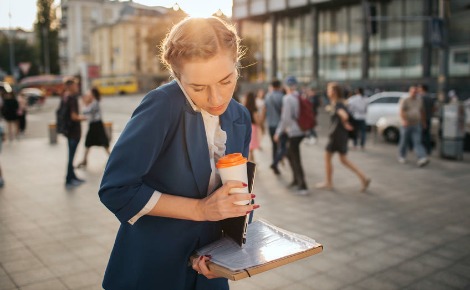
[230, 160]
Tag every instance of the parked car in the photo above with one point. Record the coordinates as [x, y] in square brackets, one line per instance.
[34, 96]
[384, 104]
[389, 128]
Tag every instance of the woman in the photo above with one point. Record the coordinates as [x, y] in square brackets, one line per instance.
[160, 180]
[250, 104]
[96, 135]
[10, 113]
[338, 138]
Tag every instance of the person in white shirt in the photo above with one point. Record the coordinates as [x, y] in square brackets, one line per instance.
[357, 105]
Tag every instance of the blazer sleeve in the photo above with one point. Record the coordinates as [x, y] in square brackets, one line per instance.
[122, 188]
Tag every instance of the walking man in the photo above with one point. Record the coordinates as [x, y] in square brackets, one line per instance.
[357, 105]
[412, 121]
[429, 109]
[68, 123]
[272, 113]
[288, 124]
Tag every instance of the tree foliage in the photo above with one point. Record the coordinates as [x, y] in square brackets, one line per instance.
[23, 52]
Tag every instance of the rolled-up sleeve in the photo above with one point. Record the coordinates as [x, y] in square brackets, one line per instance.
[122, 188]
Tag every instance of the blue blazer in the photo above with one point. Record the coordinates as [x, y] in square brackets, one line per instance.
[164, 147]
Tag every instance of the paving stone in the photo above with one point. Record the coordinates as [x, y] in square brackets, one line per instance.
[53, 284]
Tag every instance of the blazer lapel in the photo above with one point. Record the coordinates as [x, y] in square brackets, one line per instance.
[198, 151]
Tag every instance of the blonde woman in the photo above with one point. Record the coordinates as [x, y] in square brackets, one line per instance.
[338, 138]
[160, 180]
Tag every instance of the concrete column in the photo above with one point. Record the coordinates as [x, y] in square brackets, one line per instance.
[315, 55]
[427, 48]
[365, 51]
[273, 21]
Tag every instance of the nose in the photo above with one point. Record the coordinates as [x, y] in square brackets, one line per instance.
[214, 97]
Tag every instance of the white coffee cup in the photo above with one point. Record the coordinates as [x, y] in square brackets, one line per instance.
[233, 167]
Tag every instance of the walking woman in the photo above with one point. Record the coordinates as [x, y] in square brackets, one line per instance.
[161, 181]
[96, 135]
[338, 138]
[250, 104]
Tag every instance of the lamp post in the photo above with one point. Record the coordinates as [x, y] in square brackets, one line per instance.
[45, 40]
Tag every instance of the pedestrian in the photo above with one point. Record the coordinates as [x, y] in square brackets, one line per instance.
[357, 105]
[412, 119]
[338, 138]
[69, 120]
[22, 111]
[161, 181]
[429, 108]
[10, 114]
[250, 104]
[288, 124]
[272, 112]
[316, 101]
[96, 135]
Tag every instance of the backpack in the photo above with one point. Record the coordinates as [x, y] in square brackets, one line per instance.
[63, 119]
[306, 119]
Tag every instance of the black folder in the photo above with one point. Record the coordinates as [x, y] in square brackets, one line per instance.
[235, 228]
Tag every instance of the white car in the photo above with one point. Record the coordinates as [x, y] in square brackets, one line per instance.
[389, 128]
[384, 104]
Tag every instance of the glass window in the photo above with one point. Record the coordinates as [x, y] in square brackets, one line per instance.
[386, 100]
[461, 57]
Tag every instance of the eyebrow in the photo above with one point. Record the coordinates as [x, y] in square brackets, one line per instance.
[198, 85]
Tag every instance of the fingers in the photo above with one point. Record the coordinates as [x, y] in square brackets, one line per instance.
[200, 266]
[235, 184]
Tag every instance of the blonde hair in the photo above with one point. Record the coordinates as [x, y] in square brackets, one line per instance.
[198, 38]
[337, 90]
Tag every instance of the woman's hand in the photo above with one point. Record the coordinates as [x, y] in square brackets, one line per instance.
[200, 266]
[220, 204]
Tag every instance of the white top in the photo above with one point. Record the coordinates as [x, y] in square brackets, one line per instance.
[216, 139]
[357, 105]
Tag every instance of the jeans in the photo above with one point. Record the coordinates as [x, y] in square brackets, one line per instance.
[411, 134]
[278, 151]
[293, 154]
[73, 144]
[427, 142]
[360, 130]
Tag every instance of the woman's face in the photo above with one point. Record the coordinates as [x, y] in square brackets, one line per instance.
[330, 93]
[210, 83]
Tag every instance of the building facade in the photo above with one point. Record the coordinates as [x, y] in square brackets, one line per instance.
[386, 44]
[111, 38]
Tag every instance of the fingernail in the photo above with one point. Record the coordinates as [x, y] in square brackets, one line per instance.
[244, 184]
[248, 212]
[256, 206]
[253, 195]
[200, 257]
[209, 256]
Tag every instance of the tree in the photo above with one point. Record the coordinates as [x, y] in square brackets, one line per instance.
[23, 53]
[47, 33]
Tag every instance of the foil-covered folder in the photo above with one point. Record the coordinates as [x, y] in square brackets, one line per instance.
[266, 247]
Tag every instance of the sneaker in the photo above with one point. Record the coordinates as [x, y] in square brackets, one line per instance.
[79, 180]
[274, 168]
[401, 160]
[73, 183]
[302, 192]
[422, 162]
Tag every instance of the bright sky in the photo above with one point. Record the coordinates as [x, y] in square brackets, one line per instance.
[23, 12]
